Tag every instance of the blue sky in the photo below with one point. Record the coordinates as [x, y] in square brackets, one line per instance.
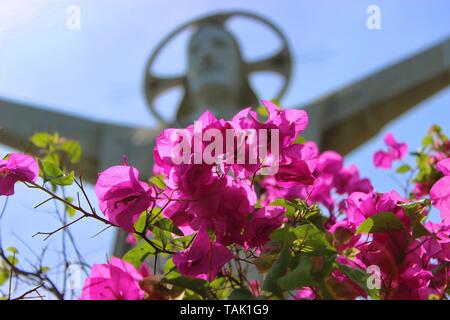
[96, 72]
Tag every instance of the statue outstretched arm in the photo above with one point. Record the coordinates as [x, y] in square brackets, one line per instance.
[346, 119]
[103, 144]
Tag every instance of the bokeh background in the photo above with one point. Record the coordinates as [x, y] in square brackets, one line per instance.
[97, 72]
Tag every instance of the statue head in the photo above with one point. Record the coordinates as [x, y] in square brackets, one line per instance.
[217, 78]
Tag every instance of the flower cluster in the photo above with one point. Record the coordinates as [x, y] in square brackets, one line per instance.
[411, 257]
[221, 196]
[397, 244]
[396, 151]
[332, 179]
[244, 208]
[225, 203]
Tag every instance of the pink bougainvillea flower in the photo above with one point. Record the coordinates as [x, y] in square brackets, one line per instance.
[410, 277]
[440, 191]
[329, 178]
[437, 246]
[440, 197]
[347, 180]
[305, 293]
[408, 274]
[260, 225]
[361, 206]
[396, 151]
[343, 288]
[122, 196]
[330, 162]
[237, 201]
[297, 164]
[18, 167]
[116, 280]
[444, 166]
[344, 234]
[421, 189]
[203, 259]
[164, 146]
[290, 122]
[255, 286]
[219, 196]
[131, 239]
[295, 161]
[221, 204]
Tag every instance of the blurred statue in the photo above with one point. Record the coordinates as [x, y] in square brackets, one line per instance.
[218, 79]
[217, 76]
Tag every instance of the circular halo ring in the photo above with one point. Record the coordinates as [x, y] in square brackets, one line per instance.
[280, 62]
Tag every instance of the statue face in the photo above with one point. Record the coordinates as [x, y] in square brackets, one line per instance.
[214, 65]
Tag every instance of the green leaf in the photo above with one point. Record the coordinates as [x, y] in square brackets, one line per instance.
[138, 254]
[299, 277]
[427, 140]
[414, 210]
[41, 139]
[413, 206]
[359, 277]
[306, 236]
[380, 222]
[277, 103]
[12, 250]
[163, 236]
[158, 181]
[167, 225]
[241, 294]
[52, 173]
[290, 210]
[183, 241]
[52, 157]
[264, 262]
[13, 260]
[424, 164]
[299, 140]
[73, 150]
[403, 169]
[4, 276]
[65, 180]
[220, 288]
[45, 269]
[139, 225]
[199, 286]
[284, 235]
[218, 283]
[419, 230]
[70, 210]
[277, 270]
[312, 239]
[170, 269]
[262, 111]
